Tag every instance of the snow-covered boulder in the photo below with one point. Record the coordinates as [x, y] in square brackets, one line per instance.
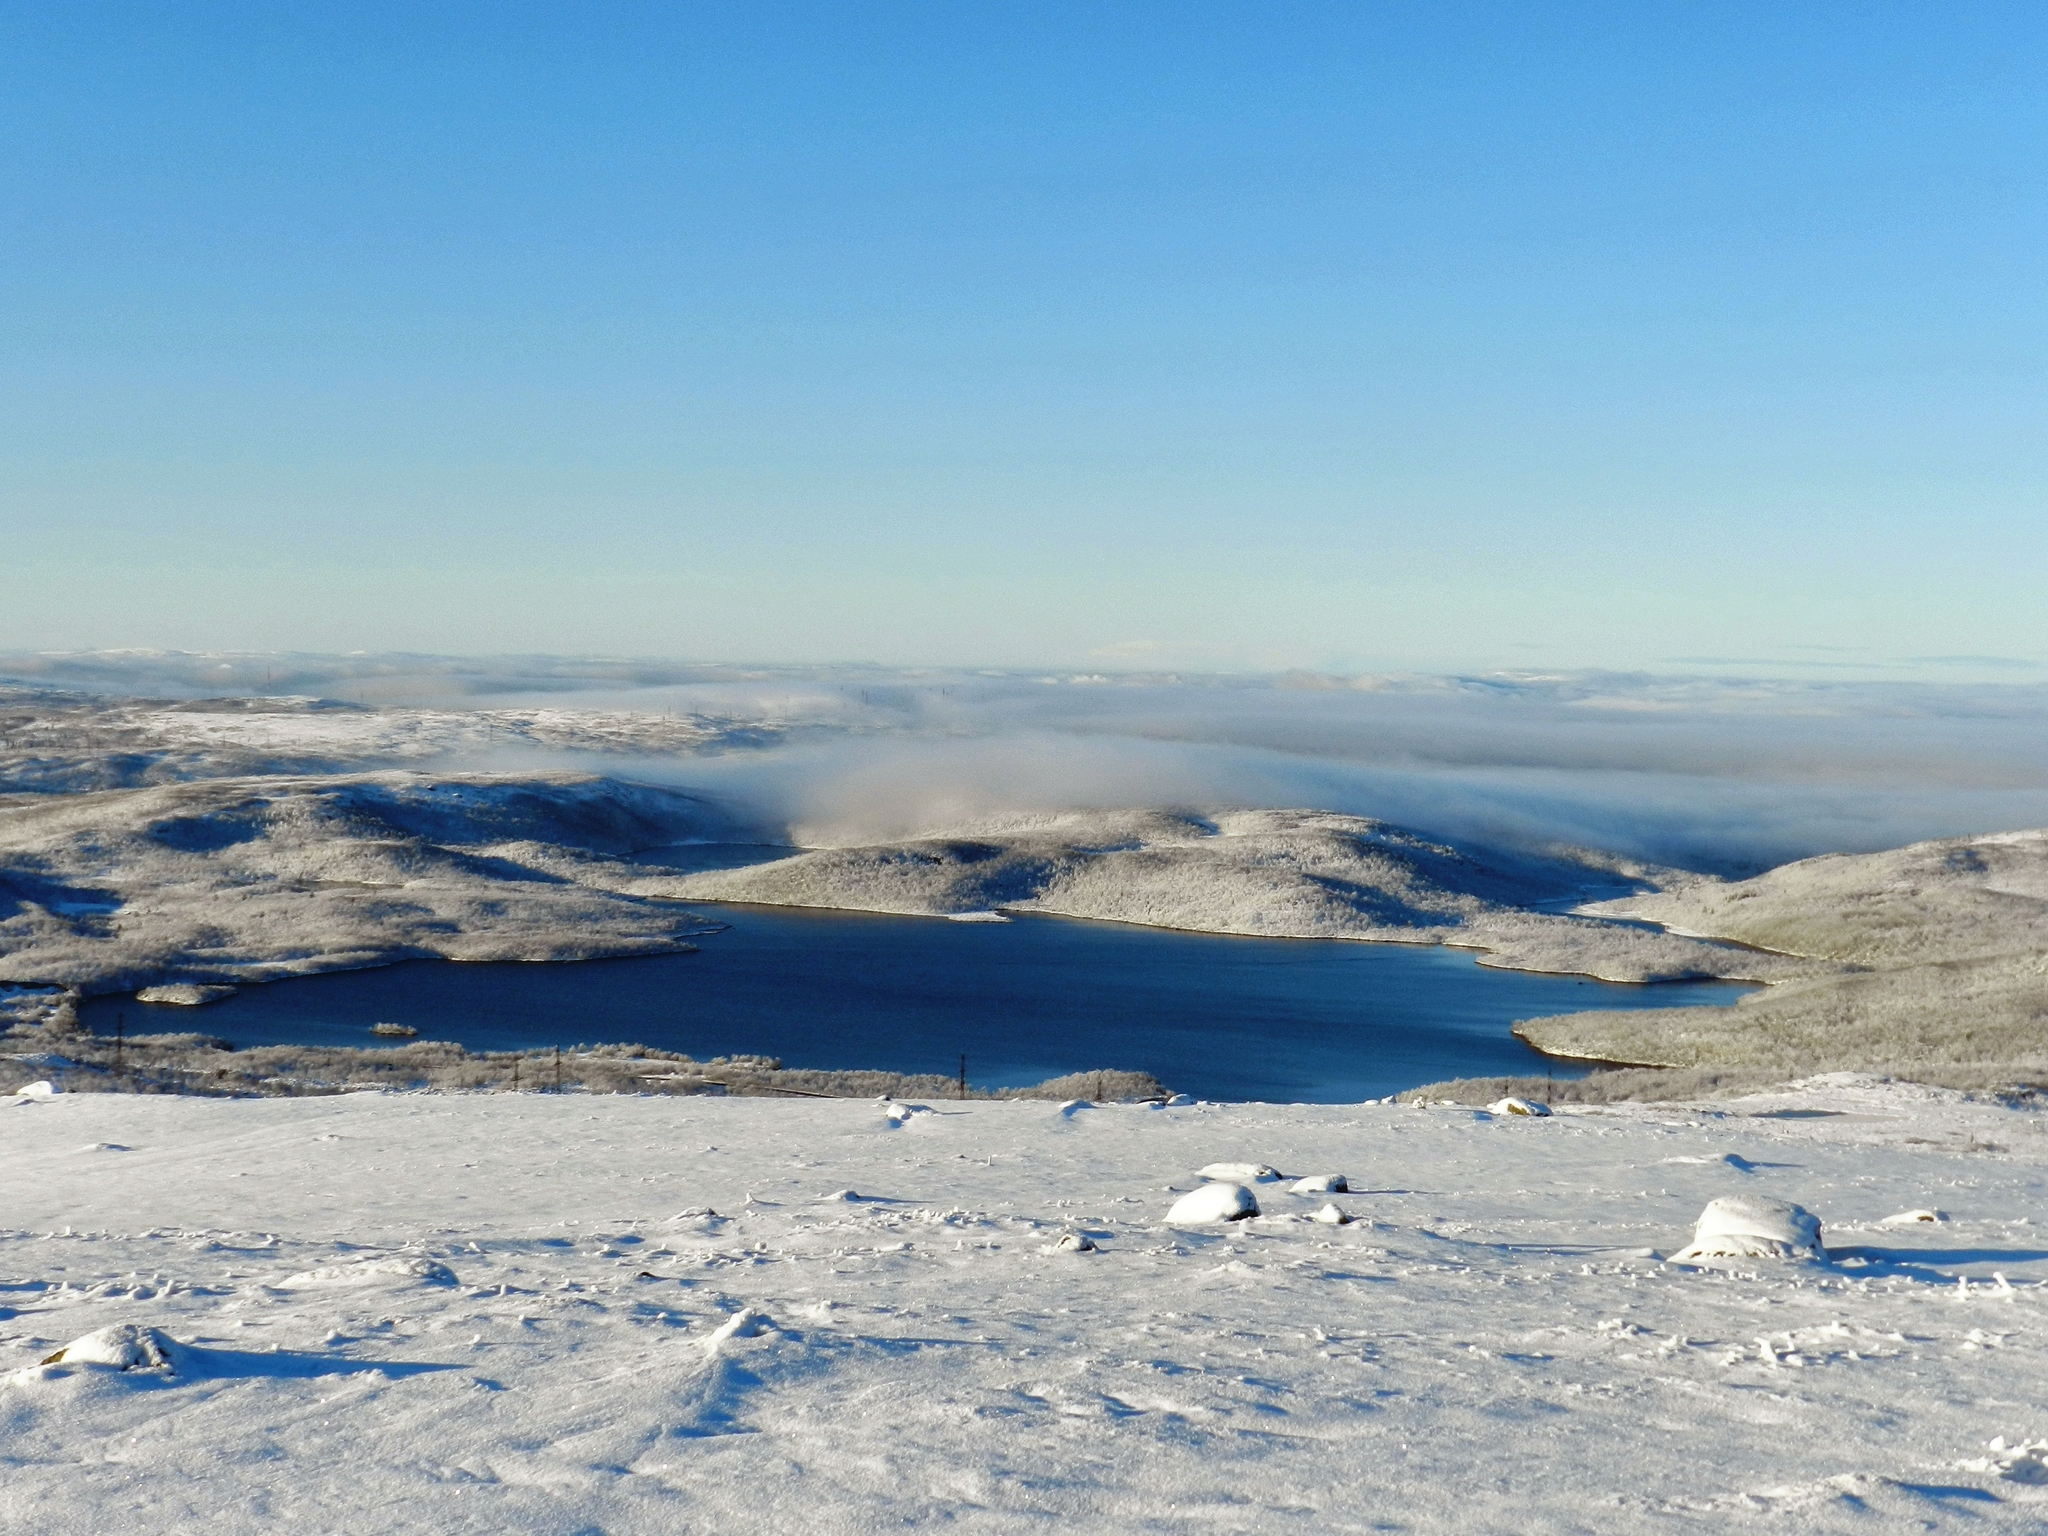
[903, 1114]
[33, 1093]
[1073, 1242]
[1239, 1173]
[124, 1346]
[1321, 1184]
[1913, 1218]
[1514, 1106]
[1331, 1216]
[1752, 1227]
[1213, 1202]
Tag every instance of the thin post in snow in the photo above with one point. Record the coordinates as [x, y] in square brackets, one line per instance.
[963, 1074]
[558, 1069]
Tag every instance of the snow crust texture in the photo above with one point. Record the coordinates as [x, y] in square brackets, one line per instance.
[591, 1313]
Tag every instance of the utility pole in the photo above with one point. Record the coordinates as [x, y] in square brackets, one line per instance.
[558, 1069]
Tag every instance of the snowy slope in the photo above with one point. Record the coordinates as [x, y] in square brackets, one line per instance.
[1939, 954]
[552, 1314]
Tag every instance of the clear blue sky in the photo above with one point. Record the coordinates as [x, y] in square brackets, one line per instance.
[1195, 335]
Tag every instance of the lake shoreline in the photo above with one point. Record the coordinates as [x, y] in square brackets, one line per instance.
[1227, 1017]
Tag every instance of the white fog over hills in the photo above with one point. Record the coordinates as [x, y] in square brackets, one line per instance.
[1728, 774]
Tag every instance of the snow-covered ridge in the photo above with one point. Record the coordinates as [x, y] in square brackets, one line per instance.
[216, 861]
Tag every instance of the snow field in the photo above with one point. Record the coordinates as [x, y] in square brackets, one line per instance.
[408, 1312]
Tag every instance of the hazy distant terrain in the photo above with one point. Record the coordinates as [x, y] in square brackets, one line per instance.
[57, 742]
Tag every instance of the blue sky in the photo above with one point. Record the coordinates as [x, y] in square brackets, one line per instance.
[1195, 336]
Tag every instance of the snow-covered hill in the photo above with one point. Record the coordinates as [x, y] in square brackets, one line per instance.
[1938, 956]
[408, 1313]
[228, 879]
[1278, 873]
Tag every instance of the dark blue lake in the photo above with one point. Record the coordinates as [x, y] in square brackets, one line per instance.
[1218, 1017]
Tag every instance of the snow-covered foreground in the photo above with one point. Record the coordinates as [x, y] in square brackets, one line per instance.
[583, 1314]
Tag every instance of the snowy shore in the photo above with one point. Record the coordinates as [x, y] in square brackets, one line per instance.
[581, 1312]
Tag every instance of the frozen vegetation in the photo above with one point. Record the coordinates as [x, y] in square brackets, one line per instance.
[626, 1291]
[545, 1313]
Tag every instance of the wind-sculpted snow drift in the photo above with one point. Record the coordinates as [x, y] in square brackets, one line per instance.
[1278, 873]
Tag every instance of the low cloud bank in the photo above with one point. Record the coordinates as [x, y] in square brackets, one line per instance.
[1714, 772]
[876, 790]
